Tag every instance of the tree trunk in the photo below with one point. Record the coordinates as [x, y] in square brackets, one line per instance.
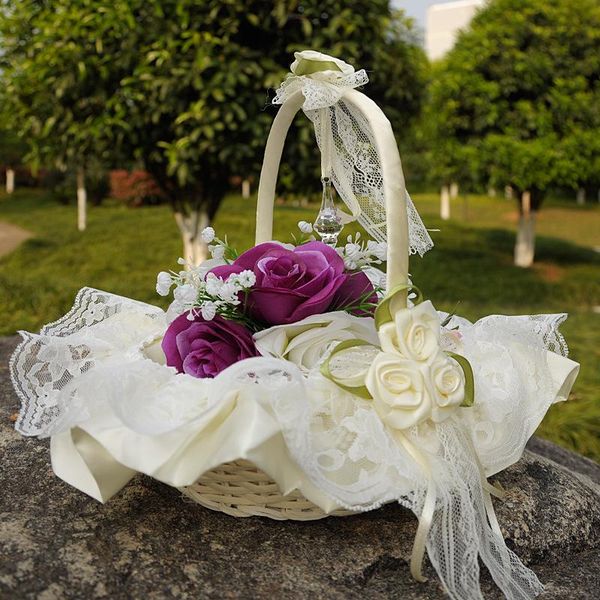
[581, 196]
[525, 242]
[453, 190]
[81, 200]
[195, 250]
[10, 180]
[445, 203]
[245, 189]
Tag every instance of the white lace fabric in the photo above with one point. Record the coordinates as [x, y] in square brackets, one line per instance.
[346, 142]
[45, 367]
[92, 371]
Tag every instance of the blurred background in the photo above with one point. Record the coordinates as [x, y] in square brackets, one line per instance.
[127, 126]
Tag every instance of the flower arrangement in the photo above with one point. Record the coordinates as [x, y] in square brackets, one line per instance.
[219, 306]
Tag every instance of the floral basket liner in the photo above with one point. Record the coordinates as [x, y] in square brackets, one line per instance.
[413, 406]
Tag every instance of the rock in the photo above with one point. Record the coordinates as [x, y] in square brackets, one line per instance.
[148, 542]
[575, 462]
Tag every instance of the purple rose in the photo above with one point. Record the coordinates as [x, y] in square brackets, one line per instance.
[205, 348]
[290, 284]
[357, 288]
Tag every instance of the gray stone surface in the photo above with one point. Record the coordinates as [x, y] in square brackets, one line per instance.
[148, 542]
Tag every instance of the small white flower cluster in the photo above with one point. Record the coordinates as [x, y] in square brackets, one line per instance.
[218, 249]
[358, 255]
[217, 295]
[305, 227]
[208, 296]
[199, 291]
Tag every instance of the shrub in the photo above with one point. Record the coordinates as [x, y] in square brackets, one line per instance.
[134, 188]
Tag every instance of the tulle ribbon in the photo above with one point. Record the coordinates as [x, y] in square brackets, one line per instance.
[348, 155]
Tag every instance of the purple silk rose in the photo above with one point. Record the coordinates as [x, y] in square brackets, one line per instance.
[205, 348]
[356, 287]
[294, 284]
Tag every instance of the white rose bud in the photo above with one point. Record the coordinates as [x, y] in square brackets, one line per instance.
[414, 333]
[208, 310]
[447, 383]
[400, 395]
[163, 283]
[217, 251]
[305, 227]
[185, 294]
[313, 62]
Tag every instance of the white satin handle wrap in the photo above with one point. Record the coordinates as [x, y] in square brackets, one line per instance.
[393, 178]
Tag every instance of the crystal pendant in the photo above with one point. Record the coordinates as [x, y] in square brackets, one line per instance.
[328, 223]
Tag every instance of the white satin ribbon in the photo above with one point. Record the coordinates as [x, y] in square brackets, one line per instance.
[102, 455]
[320, 89]
[426, 516]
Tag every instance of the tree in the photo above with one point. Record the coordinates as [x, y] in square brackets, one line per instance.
[516, 98]
[12, 151]
[180, 85]
[195, 104]
[60, 64]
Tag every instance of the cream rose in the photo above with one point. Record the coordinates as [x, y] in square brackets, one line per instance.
[399, 393]
[307, 342]
[447, 383]
[414, 333]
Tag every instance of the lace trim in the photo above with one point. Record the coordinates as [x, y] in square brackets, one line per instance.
[43, 366]
[357, 173]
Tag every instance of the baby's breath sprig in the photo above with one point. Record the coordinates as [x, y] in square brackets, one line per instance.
[219, 249]
[306, 233]
[357, 254]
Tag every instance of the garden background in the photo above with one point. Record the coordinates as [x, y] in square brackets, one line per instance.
[117, 116]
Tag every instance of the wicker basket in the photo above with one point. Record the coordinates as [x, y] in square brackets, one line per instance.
[238, 488]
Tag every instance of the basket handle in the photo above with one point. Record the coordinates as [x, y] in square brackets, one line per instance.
[393, 179]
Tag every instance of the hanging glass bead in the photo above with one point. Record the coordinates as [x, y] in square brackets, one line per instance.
[328, 223]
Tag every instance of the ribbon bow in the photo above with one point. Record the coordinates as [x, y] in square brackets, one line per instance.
[321, 78]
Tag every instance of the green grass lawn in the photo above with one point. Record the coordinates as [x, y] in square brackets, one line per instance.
[123, 249]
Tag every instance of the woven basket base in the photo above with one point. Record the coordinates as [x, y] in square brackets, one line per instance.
[240, 489]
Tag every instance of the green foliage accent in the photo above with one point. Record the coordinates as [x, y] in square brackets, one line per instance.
[383, 313]
[465, 365]
[516, 101]
[361, 391]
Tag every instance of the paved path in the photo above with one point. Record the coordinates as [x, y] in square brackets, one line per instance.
[11, 237]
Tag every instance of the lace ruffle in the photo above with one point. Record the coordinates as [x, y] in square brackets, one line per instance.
[96, 362]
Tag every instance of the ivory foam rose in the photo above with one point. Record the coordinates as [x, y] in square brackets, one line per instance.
[414, 333]
[307, 342]
[400, 394]
[447, 384]
[407, 392]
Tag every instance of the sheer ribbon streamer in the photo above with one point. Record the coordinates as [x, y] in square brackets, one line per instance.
[348, 152]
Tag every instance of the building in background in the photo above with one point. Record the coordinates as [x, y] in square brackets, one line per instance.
[444, 22]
